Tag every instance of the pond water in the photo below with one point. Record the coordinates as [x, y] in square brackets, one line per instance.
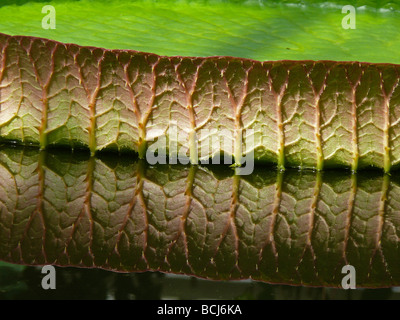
[117, 228]
[24, 282]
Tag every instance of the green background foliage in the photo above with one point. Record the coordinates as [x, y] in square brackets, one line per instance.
[261, 30]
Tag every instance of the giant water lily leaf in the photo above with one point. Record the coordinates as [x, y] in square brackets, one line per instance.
[306, 114]
[303, 114]
[121, 215]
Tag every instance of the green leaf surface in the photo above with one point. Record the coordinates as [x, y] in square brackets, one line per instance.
[260, 30]
[120, 215]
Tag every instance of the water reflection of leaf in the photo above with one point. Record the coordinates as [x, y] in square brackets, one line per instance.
[293, 227]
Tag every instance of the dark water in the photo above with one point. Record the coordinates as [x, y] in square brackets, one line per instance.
[207, 230]
[21, 282]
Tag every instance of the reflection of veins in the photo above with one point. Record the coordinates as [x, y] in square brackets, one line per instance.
[86, 209]
[183, 219]
[314, 203]
[125, 221]
[139, 193]
[128, 215]
[39, 207]
[231, 222]
[275, 213]
[381, 216]
[350, 212]
[16, 205]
